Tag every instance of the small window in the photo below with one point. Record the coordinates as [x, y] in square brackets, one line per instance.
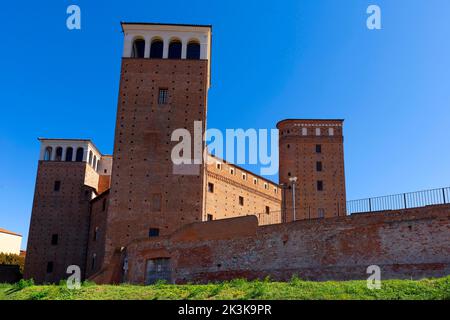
[318, 148]
[175, 49]
[163, 95]
[69, 154]
[94, 257]
[80, 154]
[209, 217]
[156, 49]
[320, 185]
[267, 210]
[138, 48]
[210, 187]
[59, 152]
[50, 267]
[95, 238]
[54, 239]
[48, 154]
[304, 131]
[317, 131]
[241, 200]
[266, 186]
[319, 166]
[244, 176]
[193, 51]
[275, 190]
[57, 186]
[330, 131]
[94, 164]
[321, 213]
[255, 181]
[219, 166]
[232, 171]
[90, 157]
[153, 232]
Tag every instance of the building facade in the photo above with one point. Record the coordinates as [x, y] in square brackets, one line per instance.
[10, 242]
[89, 208]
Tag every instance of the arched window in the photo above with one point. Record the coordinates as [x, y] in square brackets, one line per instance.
[69, 154]
[94, 164]
[90, 157]
[138, 48]
[80, 154]
[48, 154]
[58, 156]
[156, 49]
[175, 49]
[193, 50]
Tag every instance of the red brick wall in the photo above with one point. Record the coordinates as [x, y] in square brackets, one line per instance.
[142, 173]
[410, 243]
[298, 158]
[65, 213]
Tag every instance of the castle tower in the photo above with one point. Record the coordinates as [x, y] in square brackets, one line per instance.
[164, 81]
[70, 174]
[312, 163]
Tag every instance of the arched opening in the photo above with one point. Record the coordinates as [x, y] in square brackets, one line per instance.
[90, 157]
[138, 48]
[59, 152]
[156, 49]
[69, 154]
[175, 49]
[193, 50]
[79, 156]
[48, 154]
[94, 164]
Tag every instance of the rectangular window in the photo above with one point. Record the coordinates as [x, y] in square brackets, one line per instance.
[163, 96]
[153, 232]
[54, 239]
[219, 166]
[57, 186]
[319, 165]
[210, 187]
[241, 201]
[50, 267]
[318, 148]
[244, 176]
[156, 202]
[267, 210]
[231, 171]
[321, 213]
[95, 234]
[330, 131]
[255, 181]
[209, 217]
[319, 185]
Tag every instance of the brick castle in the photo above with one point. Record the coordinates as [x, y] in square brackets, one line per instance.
[136, 216]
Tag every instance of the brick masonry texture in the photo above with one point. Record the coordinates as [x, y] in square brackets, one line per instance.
[145, 193]
[411, 243]
[299, 158]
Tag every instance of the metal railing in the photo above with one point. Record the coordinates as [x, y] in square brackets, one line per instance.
[400, 201]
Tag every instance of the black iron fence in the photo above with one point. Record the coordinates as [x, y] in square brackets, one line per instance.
[400, 201]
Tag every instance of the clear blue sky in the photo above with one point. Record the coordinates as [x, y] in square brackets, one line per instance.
[271, 60]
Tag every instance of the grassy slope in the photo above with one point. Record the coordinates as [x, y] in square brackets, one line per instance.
[241, 289]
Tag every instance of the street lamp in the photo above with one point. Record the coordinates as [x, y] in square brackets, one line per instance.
[293, 180]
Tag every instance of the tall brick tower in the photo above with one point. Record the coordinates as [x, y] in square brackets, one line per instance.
[164, 81]
[312, 163]
[71, 172]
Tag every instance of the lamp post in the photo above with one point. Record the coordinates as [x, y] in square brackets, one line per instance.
[293, 180]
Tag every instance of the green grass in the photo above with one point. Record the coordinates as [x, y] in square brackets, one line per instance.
[236, 289]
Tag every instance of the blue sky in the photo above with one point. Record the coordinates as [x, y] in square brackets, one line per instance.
[271, 60]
